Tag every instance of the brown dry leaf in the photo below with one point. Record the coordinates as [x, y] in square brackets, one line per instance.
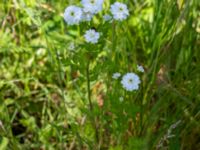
[97, 87]
[75, 74]
[161, 75]
[56, 98]
[100, 100]
[98, 93]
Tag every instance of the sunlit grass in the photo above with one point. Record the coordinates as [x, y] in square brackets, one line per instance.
[57, 91]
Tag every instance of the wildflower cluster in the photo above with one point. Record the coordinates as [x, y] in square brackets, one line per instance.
[74, 15]
[130, 81]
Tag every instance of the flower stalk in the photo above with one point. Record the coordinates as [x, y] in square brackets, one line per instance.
[93, 121]
[88, 85]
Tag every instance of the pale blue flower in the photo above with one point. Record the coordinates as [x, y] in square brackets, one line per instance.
[140, 68]
[91, 36]
[87, 16]
[119, 11]
[107, 17]
[116, 75]
[130, 81]
[73, 15]
[92, 6]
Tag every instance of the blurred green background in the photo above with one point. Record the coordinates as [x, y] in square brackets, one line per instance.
[43, 89]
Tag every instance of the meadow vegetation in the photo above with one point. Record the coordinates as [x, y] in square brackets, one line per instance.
[58, 91]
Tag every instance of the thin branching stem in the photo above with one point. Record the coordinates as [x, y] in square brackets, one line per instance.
[88, 85]
[90, 101]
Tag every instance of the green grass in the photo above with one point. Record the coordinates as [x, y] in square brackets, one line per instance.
[50, 96]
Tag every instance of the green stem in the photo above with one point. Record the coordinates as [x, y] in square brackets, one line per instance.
[88, 85]
[90, 101]
[113, 41]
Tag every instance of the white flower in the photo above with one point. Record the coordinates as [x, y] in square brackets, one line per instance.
[92, 6]
[119, 11]
[73, 15]
[140, 68]
[116, 75]
[91, 36]
[87, 16]
[107, 17]
[130, 81]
